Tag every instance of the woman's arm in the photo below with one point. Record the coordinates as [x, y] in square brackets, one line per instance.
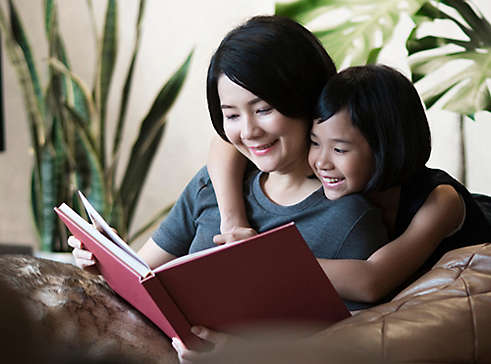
[154, 255]
[226, 167]
[372, 279]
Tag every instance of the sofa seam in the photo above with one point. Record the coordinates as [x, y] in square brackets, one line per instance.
[473, 319]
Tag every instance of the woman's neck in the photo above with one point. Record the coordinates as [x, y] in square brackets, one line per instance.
[291, 187]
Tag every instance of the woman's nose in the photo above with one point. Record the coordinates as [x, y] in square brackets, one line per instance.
[249, 128]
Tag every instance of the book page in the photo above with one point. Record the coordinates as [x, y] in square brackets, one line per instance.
[195, 255]
[104, 227]
[102, 240]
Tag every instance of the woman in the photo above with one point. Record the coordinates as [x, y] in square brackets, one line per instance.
[263, 83]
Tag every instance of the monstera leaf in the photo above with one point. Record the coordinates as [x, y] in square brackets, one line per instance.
[353, 31]
[466, 91]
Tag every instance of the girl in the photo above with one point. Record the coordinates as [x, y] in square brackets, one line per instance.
[371, 136]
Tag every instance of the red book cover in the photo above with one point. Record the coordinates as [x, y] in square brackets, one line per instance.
[269, 279]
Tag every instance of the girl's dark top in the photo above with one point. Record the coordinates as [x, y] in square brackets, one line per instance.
[476, 228]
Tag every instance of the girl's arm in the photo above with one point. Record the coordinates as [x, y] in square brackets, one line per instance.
[372, 279]
[226, 167]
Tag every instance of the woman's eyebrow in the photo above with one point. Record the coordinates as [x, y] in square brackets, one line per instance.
[250, 102]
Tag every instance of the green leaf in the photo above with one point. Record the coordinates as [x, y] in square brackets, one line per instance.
[47, 197]
[127, 85]
[31, 102]
[90, 112]
[95, 189]
[21, 39]
[106, 68]
[351, 29]
[373, 55]
[465, 92]
[150, 224]
[145, 146]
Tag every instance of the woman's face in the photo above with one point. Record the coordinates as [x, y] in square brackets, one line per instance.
[272, 141]
[340, 156]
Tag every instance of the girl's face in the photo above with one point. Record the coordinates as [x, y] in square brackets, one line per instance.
[340, 156]
[272, 141]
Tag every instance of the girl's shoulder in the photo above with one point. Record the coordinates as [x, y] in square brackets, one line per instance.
[416, 189]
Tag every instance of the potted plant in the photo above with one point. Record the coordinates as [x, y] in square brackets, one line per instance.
[68, 131]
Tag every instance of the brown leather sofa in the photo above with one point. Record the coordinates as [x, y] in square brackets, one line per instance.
[444, 317]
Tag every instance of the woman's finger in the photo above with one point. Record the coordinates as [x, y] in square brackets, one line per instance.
[74, 242]
[82, 254]
[214, 337]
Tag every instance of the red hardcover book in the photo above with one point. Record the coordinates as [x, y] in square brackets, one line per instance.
[269, 279]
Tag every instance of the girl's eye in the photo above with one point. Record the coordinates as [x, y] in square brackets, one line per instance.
[264, 110]
[313, 143]
[340, 151]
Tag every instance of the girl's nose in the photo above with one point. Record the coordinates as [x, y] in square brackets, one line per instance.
[324, 163]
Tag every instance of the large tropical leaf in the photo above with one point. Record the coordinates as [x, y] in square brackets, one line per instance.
[350, 30]
[465, 91]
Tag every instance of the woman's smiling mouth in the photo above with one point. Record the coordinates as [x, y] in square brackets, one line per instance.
[261, 149]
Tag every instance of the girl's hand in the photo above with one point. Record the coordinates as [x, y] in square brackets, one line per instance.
[83, 258]
[235, 234]
[220, 341]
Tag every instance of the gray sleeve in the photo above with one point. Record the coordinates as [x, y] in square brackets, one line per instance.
[367, 234]
[177, 230]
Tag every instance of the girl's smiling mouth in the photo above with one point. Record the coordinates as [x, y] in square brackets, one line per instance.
[331, 181]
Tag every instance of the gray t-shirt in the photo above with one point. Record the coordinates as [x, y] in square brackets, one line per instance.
[349, 227]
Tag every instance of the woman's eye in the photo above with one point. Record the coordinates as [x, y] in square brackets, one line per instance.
[314, 143]
[231, 117]
[340, 151]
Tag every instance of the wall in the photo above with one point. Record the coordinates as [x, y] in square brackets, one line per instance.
[171, 30]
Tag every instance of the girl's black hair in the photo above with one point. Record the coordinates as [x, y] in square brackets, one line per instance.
[385, 106]
[276, 59]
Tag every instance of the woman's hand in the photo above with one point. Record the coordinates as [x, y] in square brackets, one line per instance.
[218, 339]
[234, 234]
[83, 258]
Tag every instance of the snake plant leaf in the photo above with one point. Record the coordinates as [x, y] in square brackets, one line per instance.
[107, 61]
[95, 190]
[57, 50]
[83, 89]
[21, 39]
[134, 181]
[31, 102]
[150, 224]
[127, 86]
[145, 146]
[465, 91]
[46, 197]
[356, 27]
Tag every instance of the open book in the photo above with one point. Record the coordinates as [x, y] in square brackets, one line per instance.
[271, 278]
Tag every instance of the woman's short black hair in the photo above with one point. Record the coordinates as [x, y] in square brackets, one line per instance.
[276, 59]
[385, 106]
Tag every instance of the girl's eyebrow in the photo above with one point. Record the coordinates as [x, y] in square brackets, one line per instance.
[250, 102]
[339, 140]
[335, 140]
